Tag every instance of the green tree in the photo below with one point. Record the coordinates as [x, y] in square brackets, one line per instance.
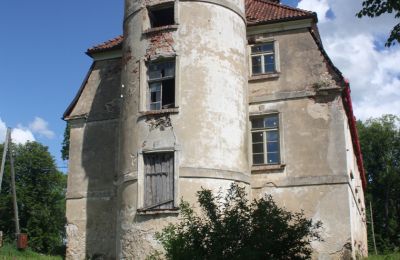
[380, 144]
[41, 198]
[65, 143]
[374, 8]
[232, 228]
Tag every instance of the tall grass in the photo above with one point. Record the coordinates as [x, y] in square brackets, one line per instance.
[9, 252]
[394, 256]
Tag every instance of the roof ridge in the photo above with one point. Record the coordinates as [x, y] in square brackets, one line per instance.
[285, 6]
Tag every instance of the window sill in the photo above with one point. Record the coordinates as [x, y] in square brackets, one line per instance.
[174, 211]
[264, 76]
[267, 168]
[171, 27]
[174, 110]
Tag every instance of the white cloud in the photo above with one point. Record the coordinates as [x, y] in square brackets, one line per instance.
[21, 135]
[373, 71]
[40, 126]
[321, 7]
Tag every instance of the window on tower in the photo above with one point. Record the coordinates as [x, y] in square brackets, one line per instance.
[161, 85]
[161, 15]
[158, 181]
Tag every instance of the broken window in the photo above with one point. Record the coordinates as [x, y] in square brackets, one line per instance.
[158, 180]
[161, 15]
[265, 139]
[161, 79]
[263, 58]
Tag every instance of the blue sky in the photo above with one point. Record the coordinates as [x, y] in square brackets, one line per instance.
[42, 60]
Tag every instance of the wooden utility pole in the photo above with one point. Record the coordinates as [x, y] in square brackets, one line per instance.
[14, 194]
[372, 226]
[5, 149]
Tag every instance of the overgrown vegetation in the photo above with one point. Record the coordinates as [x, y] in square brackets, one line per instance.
[380, 144]
[230, 227]
[41, 198]
[9, 251]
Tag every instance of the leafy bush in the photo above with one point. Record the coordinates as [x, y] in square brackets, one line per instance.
[230, 227]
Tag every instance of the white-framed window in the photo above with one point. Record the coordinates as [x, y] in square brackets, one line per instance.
[161, 85]
[263, 58]
[159, 181]
[265, 139]
[162, 15]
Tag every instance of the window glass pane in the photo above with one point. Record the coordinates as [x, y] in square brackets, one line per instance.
[272, 158]
[257, 137]
[267, 47]
[256, 64]
[155, 92]
[169, 69]
[272, 136]
[155, 106]
[256, 49]
[272, 147]
[269, 63]
[258, 148]
[257, 123]
[258, 158]
[154, 71]
[271, 121]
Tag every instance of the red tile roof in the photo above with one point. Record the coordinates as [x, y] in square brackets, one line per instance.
[257, 12]
[112, 44]
[264, 11]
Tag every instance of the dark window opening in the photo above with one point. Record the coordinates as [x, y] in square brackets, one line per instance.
[162, 16]
[161, 85]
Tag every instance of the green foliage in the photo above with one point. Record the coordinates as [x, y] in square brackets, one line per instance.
[384, 257]
[65, 143]
[373, 8]
[41, 198]
[232, 228]
[380, 145]
[9, 251]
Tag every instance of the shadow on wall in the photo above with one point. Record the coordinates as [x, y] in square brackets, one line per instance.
[99, 157]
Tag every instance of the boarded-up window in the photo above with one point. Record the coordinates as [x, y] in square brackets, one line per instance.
[159, 180]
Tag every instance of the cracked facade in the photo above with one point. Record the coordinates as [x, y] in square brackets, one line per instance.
[203, 93]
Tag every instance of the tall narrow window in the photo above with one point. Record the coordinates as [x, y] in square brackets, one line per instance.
[162, 15]
[158, 180]
[263, 58]
[265, 139]
[161, 79]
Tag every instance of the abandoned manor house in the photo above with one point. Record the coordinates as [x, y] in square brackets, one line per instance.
[203, 93]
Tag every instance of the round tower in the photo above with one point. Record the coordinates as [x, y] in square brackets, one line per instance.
[184, 111]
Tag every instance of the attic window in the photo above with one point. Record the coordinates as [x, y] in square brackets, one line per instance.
[161, 15]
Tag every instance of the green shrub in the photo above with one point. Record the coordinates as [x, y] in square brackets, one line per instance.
[230, 227]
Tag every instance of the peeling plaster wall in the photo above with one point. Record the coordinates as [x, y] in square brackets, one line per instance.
[302, 66]
[327, 203]
[93, 143]
[207, 131]
[319, 172]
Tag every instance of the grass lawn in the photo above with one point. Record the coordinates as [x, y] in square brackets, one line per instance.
[9, 251]
[384, 257]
